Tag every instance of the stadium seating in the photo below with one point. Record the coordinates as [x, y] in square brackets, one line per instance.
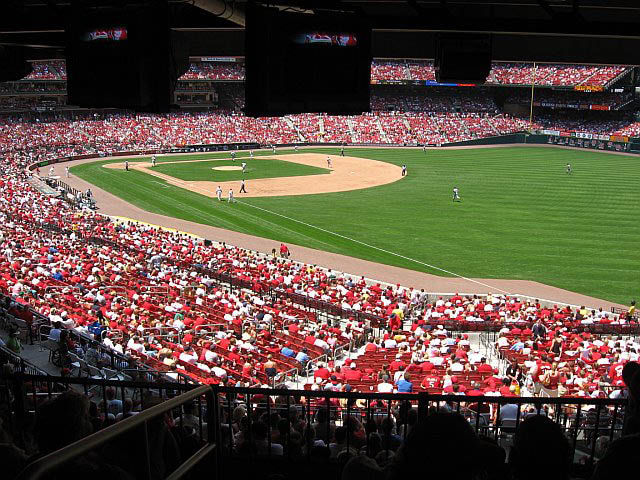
[214, 71]
[381, 70]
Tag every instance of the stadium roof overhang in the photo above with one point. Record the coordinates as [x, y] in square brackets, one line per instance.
[590, 31]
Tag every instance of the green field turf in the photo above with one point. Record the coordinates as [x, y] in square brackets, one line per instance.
[256, 168]
[521, 215]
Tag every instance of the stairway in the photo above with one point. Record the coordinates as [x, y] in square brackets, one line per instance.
[293, 126]
[352, 131]
[383, 134]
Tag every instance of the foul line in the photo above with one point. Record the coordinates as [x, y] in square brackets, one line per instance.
[378, 248]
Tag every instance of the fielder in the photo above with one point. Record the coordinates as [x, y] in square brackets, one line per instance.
[273, 148]
[404, 170]
[456, 194]
[126, 165]
[568, 169]
[233, 156]
[328, 162]
[342, 151]
[230, 198]
[242, 187]
[250, 153]
[219, 193]
[424, 148]
[244, 167]
[153, 161]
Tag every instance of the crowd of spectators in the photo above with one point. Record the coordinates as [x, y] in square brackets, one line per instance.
[504, 73]
[574, 99]
[397, 69]
[50, 70]
[214, 71]
[381, 439]
[531, 338]
[120, 132]
[434, 100]
[553, 75]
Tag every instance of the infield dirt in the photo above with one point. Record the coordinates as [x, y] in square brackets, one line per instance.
[347, 173]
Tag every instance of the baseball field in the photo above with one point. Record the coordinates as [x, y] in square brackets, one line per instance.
[521, 216]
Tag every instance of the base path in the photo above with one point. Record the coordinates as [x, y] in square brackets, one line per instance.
[347, 173]
[111, 205]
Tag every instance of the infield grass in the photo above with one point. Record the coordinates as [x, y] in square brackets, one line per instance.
[521, 216]
[255, 168]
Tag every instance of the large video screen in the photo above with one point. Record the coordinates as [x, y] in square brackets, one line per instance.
[306, 63]
[106, 34]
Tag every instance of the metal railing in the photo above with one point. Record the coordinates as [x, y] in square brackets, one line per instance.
[582, 420]
[19, 364]
[49, 463]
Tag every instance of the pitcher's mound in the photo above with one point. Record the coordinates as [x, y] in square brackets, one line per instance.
[227, 167]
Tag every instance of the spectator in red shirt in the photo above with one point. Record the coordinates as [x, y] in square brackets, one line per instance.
[352, 373]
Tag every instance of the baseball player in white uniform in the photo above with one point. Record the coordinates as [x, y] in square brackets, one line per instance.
[244, 167]
[153, 160]
[273, 148]
[328, 161]
[250, 153]
[230, 198]
[66, 172]
[233, 156]
[219, 193]
[51, 172]
[456, 194]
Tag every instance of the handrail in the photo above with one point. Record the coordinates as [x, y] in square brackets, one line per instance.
[24, 364]
[425, 396]
[40, 467]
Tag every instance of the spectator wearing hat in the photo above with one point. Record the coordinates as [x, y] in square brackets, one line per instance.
[353, 373]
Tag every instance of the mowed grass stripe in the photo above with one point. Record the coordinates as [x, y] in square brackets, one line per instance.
[521, 217]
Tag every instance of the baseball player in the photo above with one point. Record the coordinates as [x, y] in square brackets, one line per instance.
[244, 167]
[51, 172]
[342, 151]
[230, 198]
[219, 193]
[456, 194]
[424, 148]
[328, 161]
[66, 172]
[233, 156]
[126, 165]
[404, 170]
[295, 148]
[568, 169]
[153, 161]
[250, 153]
[242, 187]
[273, 148]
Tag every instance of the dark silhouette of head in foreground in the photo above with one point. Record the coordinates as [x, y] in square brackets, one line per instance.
[444, 445]
[540, 450]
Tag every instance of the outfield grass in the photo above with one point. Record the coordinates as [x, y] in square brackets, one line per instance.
[256, 168]
[521, 215]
